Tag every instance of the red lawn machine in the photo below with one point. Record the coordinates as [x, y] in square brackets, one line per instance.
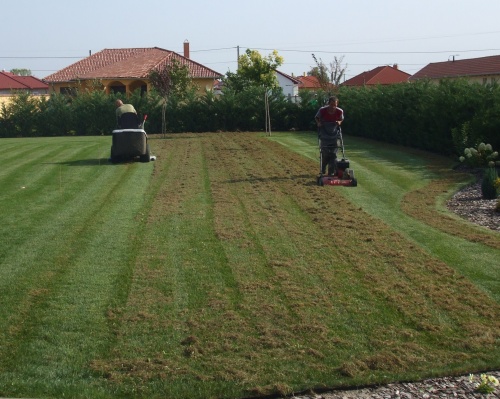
[339, 173]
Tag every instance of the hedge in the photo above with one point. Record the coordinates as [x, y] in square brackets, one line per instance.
[443, 118]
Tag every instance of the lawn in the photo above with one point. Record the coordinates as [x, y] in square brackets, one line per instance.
[222, 270]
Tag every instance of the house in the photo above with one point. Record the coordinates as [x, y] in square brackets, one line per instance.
[11, 83]
[126, 70]
[382, 75]
[289, 85]
[480, 70]
[307, 82]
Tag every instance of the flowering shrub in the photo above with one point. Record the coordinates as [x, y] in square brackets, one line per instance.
[481, 156]
[486, 384]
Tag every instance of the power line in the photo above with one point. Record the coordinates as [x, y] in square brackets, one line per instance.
[214, 49]
[39, 57]
[374, 52]
[281, 50]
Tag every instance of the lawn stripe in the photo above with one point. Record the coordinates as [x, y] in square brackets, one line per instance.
[303, 304]
[76, 258]
[242, 277]
[380, 193]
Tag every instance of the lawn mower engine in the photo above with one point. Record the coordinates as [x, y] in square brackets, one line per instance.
[344, 176]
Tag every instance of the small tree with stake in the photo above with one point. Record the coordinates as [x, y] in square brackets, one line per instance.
[170, 79]
[257, 71]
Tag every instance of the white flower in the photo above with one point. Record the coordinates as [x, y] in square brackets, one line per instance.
[493, 380]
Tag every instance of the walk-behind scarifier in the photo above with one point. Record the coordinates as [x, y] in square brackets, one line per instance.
[130, 141]
[330, 140]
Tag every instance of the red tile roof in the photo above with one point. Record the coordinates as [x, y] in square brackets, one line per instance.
[10, 81]
[127, 63]
[308, 82]
[482, 66]
[382, 75]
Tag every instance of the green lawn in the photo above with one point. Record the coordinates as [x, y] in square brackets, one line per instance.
[223, 270]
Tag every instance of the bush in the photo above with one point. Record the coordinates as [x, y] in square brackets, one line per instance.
[482, 156]
[488, 189]
[446, 118]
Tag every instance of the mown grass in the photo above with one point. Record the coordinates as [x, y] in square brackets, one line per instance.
[406, 188]
[223, 270]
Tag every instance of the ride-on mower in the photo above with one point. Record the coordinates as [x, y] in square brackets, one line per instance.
[130, 141]
[330, 140]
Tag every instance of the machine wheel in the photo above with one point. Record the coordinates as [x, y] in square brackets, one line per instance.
[147, 156]
[350, 173]
[320, 180]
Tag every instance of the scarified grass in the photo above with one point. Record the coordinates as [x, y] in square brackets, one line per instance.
[236, 276]
[270, 284]
[406, 188]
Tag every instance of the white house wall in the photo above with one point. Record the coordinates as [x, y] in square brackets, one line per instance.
[290, 89]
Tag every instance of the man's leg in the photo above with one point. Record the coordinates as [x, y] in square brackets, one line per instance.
[332, 162]
[325, 160]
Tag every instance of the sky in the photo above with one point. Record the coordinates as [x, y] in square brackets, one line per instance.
[46, 36]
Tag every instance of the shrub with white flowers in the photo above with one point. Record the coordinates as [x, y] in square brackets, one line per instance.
[481, 156]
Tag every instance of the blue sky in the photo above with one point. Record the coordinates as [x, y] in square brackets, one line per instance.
[45, 36]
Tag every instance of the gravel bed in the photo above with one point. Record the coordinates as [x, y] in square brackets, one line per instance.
[448, 387]
[469, 204]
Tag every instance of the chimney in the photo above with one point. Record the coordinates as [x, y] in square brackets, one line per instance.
[395, 66]
[186, 48]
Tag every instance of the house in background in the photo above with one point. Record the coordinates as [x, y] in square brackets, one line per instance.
[307, 82]
[126, 70]
[480, 70]
[289, 85]
[11, 83]
[382, 75]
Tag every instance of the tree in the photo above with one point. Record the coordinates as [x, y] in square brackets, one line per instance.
[260, 70]
[328, 76]
[254, 70]
[337, 70]
[21, 71]
[320, 72]
[171, 80]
